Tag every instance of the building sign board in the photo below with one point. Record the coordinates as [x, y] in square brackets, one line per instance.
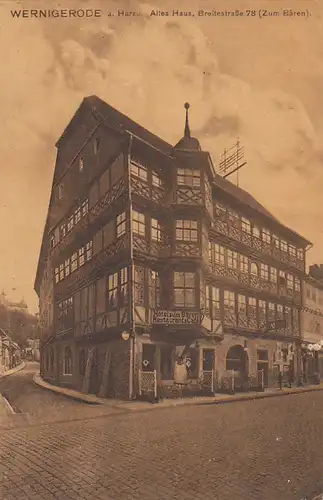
[168, 317]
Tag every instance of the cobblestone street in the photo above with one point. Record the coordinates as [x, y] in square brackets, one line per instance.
[264, 450]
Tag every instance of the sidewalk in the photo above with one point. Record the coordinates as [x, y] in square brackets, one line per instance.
[166, 403]
[17, 368]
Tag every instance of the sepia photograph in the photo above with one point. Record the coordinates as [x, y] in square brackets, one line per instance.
[161, 258]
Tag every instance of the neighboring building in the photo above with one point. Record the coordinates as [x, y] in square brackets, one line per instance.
[151, 261]
[17, 306]
[10, 352]
[312, 325]
[32, 352]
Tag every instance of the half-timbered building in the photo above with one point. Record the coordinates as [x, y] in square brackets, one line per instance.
[164, 276]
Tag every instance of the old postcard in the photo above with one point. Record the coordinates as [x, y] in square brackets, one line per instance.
[161, 284]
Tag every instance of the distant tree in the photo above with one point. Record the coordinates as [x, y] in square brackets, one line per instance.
[19, 325]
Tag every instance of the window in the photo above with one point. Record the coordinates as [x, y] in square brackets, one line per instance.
[60, 192]
[138, 223]
[264, 272]
[186, 230]
[61, 272]
[62, 230]
[273, 275]
[229, 300]
[156, 180]
[283, 246]
[242, 305]
[188, 177]
[297, 284]
[67, 266]
[123, 286]
[81, 255]
[232, 259]
[217, 254]
[232, 216]
[262, 310]
[290, 281]
[266, 237]
[275, 240]
[280, 311]
[221, 211]
[292, 250]
[254, 269]
[121, 224]
[256, 232]
[139, 171]
[271, 311]
[215, 302]
[139, 285]
[155, 230]
[68, 361]
[56, 274]
[113, 291]
[77, 215]
[184, 289]
[89, 250]
[81, 164]
[85, 207]
[96, 145]
[300, 253]
[70, 223]
[74, 262]
[282, 278]
[154, 289]
[52, 241]
[245, 225]
[244, 264]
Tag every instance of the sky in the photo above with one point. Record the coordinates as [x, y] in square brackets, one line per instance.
[259, 79]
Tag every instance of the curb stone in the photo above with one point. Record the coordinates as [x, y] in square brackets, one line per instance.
[16, 369]
[141, 406]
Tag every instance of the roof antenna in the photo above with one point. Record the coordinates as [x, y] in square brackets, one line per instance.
[187, 132]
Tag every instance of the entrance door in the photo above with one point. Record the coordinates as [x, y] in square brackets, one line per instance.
[208, 360]
[148, 357]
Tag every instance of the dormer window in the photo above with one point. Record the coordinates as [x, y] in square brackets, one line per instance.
[96, 145]
[60, 192]
[188, 177]
[81, 164]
